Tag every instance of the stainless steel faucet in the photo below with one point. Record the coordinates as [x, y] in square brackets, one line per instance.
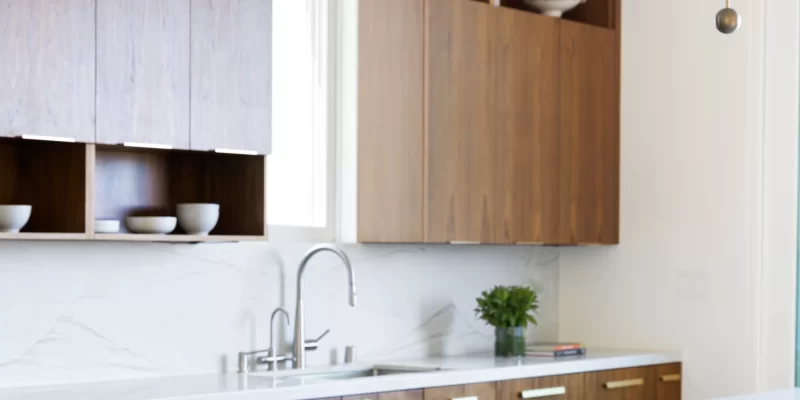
[299, 321]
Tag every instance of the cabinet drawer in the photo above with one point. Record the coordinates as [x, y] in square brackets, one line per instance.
[475, 391]
[562, 387]
[668, 382]
[621, 384]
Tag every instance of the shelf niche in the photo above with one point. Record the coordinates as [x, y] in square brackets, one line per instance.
[601, 13]
[50, 176]
[139, 182]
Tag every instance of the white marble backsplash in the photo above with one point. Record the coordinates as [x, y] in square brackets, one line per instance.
[96, 311]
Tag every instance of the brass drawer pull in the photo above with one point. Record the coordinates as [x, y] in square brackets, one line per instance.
[624, 384]
[536, 393]
[671, 378]
[465, 398]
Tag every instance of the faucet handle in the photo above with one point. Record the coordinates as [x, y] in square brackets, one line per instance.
[313, 344]
[327, 331]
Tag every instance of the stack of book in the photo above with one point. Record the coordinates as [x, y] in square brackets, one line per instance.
[555, 350]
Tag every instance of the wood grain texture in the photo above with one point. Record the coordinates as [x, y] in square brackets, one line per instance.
[492, 119]
[401, 395]
[50, 177]
[525, 125]
[668, 390]
[153, 182]
[460, 164]
[595, 390]
[483, 391]
[590, 135]
[231, 83]
[143, 72]
[390, 121]
[511, 390]
[47, 68]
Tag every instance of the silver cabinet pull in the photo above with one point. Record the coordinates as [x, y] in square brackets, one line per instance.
[624, 384]
[671, 378]
[465, 398]
[148, 145]
[545, 392]
[465, 242]
[49, 138]
[236, 151]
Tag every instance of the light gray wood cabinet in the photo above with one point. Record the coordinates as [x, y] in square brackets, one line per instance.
[47, 68]
[231, 62]
[143, 72]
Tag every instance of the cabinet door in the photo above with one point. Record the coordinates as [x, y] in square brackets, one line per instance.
[390, 151]
[589, 156]
[231, 61]
[621, 384]
[491, 115]
[475, 391]
[47, 68]
[402, 395]
[562, 387]
[668, 382]
[143, 72]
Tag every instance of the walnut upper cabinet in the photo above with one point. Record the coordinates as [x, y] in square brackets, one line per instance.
[47, 68]
[517, 115]
[231, 75]
[143, 72]
[490, 124]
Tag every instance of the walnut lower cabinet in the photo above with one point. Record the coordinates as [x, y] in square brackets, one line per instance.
[658, 382]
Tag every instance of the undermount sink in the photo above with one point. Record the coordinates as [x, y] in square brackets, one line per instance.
[376, 370]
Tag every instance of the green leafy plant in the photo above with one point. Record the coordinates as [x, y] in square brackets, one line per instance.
[508, 306]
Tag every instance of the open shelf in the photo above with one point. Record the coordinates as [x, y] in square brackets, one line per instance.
[152, 182]
[173, 238]
[51, 177]
[602, 13]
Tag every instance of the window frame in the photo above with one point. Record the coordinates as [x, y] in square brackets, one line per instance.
[287, 233]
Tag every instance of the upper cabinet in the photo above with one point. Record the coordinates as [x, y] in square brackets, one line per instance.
[47, 68]
[143, 72]
[517, 116]
[489, 176]
[231, 64]
[390, 113]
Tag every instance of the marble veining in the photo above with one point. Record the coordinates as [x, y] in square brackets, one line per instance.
[75, 312]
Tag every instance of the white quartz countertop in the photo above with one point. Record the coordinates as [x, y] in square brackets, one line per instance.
[280, 386]
[789, 394]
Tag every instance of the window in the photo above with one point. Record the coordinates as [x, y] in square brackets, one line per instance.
[300, 172]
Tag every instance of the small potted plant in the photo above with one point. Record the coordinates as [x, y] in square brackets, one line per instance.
[509, 309]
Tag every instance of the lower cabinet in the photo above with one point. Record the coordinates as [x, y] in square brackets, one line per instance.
[659, 382]
[482, 391]
[402, 395]
[564, 387]
[621, 384]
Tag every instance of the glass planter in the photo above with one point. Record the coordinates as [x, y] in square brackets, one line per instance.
[509, 342]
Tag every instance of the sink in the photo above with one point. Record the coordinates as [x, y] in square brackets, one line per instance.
[377, 370]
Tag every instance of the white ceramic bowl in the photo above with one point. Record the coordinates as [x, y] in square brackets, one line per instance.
[106, 226]
[554, 8]
[159, 225]
[198, 218]
[14, 217]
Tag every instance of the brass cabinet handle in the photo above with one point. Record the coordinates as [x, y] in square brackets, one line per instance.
[624, 384]
[671, 378]
[545, 392]
[465, 398]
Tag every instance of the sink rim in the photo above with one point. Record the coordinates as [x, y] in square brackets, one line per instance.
[321, 373]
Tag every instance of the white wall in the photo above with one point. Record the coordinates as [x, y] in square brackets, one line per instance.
[95, 311]
[691, 272]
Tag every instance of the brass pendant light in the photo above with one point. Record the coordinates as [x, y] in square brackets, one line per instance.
[728, 20]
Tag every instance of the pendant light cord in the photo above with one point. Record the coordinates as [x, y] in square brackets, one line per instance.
[727, 3]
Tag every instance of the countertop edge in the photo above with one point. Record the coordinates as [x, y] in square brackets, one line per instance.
[448, 377]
